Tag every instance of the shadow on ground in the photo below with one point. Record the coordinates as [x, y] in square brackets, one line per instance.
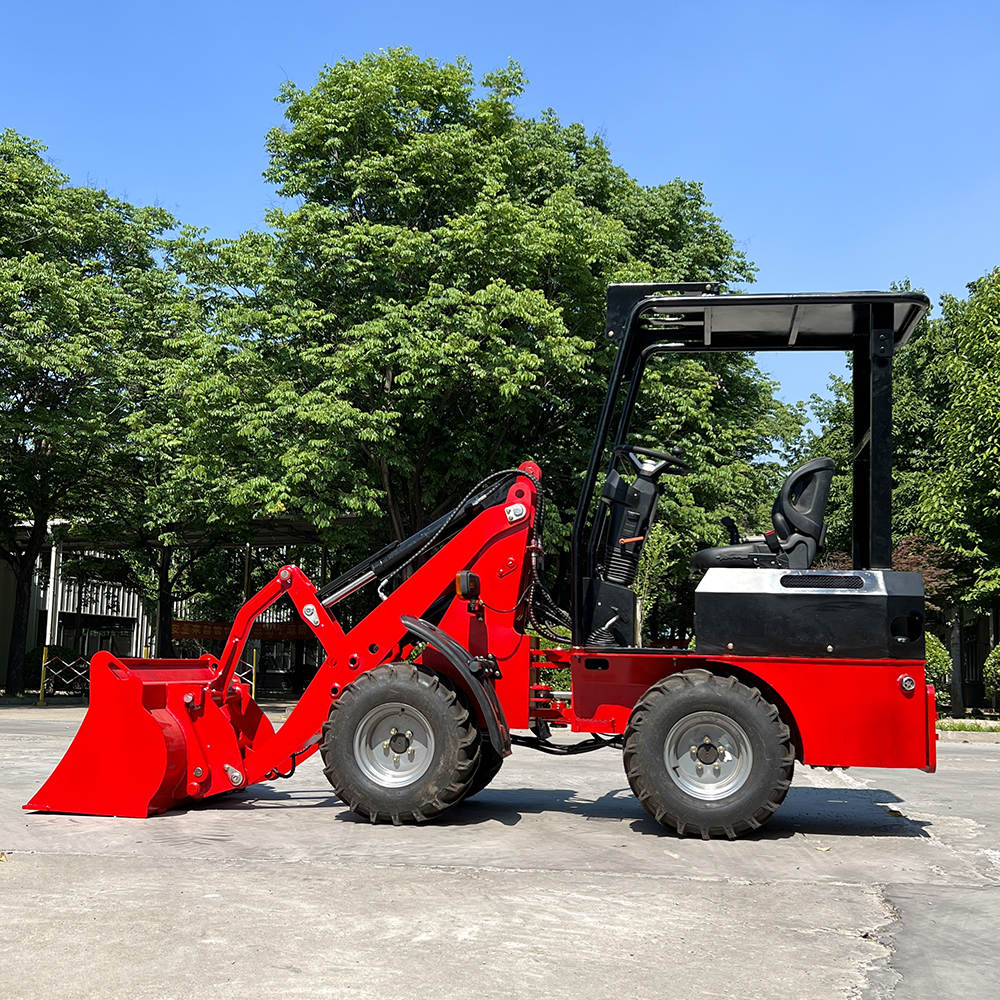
[867, 812]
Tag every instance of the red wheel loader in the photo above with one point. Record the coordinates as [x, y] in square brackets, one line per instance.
[417, 706]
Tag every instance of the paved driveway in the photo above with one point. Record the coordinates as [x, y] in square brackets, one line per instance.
[551, 882]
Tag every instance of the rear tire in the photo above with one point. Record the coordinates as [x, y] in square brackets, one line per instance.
[707, 755]
[399, 746]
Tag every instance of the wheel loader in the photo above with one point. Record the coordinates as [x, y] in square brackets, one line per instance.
[417, 706]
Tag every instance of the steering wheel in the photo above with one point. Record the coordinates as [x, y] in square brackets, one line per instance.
[663, 461]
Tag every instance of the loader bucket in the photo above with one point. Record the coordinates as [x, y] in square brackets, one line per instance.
[155, 735]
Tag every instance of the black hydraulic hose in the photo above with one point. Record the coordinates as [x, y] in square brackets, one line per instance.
[595, 742]
[543, 612]
[473, 501]
[275, 773]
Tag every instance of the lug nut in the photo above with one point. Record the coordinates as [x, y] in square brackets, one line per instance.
[385, 745]
[694, 751]
[409, 734]
[395, 758]
[706, 740]
[715, 768]
[393, 731]
[698, 767]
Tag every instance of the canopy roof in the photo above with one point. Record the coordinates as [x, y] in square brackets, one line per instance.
[812, 321]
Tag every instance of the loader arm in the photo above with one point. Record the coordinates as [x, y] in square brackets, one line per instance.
[493, 546]
[162, 732]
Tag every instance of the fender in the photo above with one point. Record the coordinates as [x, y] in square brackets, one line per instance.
[470, 673]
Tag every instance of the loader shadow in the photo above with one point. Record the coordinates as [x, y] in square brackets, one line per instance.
[845, 812]
[857, 812]
[265, 796]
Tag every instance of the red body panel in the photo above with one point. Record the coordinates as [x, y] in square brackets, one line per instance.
[846, 713]
[160, 732]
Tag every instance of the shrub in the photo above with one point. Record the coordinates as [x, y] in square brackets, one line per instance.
[938, 665]
[991, 673]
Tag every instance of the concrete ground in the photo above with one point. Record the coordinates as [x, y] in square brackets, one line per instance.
[553, 881]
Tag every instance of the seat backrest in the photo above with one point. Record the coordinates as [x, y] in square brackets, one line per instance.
[799, 511]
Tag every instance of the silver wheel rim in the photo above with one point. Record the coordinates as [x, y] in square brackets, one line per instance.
[394, 745]
[708, 755]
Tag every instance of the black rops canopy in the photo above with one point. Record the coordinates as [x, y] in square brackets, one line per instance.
[811, 321]
[648, 319]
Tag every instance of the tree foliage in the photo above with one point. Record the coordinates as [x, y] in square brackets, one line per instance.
[77, 270]
[961, 502]
[426, 307]
[431, 305]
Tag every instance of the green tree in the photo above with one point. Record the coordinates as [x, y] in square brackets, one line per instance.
[187, 481]
[431, 304]
[77, 268]
[961, 503]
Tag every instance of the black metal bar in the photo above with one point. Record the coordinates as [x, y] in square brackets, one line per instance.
[881, 436]
[872, 472]
[579, 558]
[861, 492]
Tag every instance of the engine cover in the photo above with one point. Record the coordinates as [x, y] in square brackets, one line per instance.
[852, 614]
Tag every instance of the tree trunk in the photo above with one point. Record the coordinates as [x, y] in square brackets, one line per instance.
[955, 647]
[23, 562]
[19, 631]
[164, 605]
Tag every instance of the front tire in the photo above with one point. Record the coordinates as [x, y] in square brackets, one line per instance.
[490, 763]
[707, 755]
[399, 746]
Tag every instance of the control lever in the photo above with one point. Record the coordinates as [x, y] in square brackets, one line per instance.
[734, 533]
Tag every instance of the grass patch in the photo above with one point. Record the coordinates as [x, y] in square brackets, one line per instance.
[968, 726]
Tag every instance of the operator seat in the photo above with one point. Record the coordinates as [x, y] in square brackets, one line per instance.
[798, 516]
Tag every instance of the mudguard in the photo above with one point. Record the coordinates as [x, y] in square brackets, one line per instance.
[471, 674]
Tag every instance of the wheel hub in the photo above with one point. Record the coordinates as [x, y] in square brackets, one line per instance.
[394, 745]
[708, 755]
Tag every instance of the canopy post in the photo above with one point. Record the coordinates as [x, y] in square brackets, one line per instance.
[872, 384]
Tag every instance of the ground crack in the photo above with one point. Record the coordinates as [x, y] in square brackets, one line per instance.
[879, 978]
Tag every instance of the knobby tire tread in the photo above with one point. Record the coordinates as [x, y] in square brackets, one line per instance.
[642, 784]
[466, 760]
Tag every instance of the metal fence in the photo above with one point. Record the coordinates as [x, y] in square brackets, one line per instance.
[72, 677]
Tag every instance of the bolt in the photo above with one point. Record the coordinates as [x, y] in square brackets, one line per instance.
[829, 649]
[198, 772]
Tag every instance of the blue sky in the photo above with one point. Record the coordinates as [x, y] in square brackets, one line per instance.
[845, 145]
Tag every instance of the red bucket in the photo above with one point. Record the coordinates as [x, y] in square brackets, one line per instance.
[157, 733]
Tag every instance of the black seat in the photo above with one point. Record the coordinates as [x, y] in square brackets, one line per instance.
[798, 516]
